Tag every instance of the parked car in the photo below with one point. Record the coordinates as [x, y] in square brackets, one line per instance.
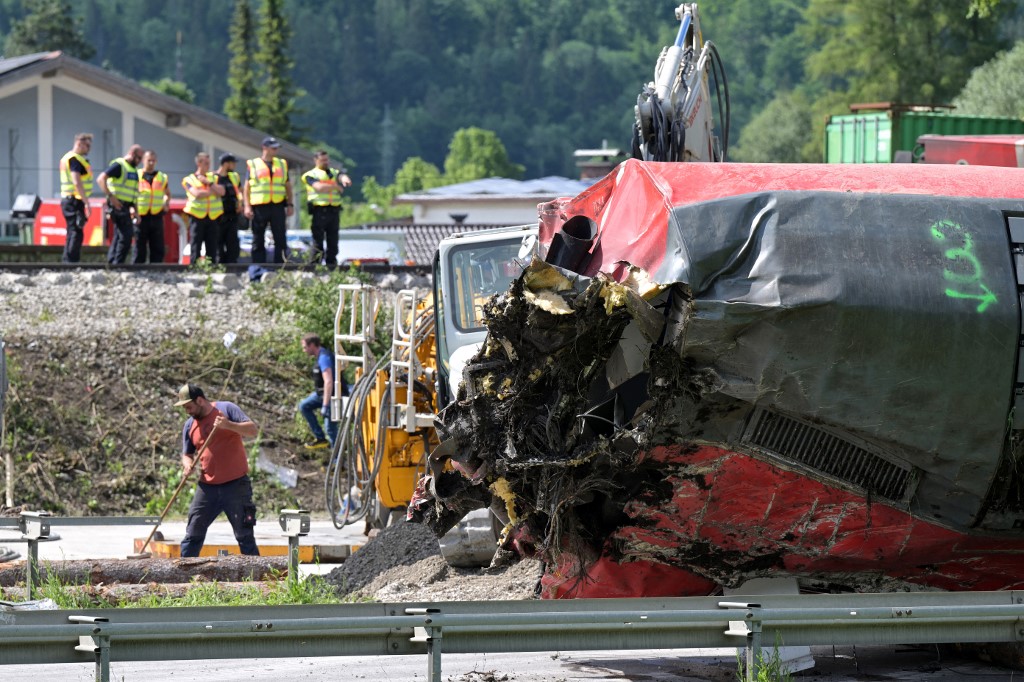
[355, 247]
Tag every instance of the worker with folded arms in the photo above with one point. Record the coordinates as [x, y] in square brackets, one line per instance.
[204, 207]
[224, 484]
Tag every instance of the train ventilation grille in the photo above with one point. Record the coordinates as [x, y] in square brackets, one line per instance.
[818, 449]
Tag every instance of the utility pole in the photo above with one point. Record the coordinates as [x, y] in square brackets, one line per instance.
[178, 70]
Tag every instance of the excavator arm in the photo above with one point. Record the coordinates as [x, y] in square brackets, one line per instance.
[674, 120]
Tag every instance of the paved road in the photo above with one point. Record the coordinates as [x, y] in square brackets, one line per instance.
[117, 542]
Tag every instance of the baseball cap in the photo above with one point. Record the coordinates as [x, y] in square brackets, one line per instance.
[188, 393]
[271, 142]
[226, 158]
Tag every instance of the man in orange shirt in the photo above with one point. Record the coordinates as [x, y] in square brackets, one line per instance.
[224, 484]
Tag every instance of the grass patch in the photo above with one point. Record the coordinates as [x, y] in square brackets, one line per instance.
[281, 592]
[770, 667]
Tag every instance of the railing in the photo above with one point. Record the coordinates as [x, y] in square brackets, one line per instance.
[102, 636]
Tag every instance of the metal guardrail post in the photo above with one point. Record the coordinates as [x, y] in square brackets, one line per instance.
[295, 524]
[429, 634]
[750, 630]
[34, 527]
[96, 644]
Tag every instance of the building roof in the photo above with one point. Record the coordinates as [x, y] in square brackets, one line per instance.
[490, 189]
[47, 64]
[421, 239]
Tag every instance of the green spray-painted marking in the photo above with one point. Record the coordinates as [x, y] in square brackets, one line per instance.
[966, 280]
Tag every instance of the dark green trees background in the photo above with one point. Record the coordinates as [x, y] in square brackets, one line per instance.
[386, 80]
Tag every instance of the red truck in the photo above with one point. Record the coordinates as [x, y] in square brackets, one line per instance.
[49, 228]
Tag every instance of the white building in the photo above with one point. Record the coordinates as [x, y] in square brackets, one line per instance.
[48, 97]
[493, 201]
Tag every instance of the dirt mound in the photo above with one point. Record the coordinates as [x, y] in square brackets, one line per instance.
[94, 360]
[400, 544]
[403, 563]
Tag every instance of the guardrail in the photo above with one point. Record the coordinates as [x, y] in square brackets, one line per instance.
[37, 637]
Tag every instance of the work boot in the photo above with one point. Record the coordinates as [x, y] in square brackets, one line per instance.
[318, 444]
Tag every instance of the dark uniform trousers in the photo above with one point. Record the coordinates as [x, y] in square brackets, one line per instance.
[324, 227]
[204, 231]
[74, 217]
[273, 215]
[229, 246]
[121, 243]
[149, 239]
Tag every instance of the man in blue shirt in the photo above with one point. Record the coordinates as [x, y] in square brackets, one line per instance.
[319, 401]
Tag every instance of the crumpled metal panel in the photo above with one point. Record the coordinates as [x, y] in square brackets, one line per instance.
[875, 305]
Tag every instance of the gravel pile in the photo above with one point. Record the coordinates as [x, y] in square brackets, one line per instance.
[403, 563]
[152, 306]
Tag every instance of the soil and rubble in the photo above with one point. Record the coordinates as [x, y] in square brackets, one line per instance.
[403, 563]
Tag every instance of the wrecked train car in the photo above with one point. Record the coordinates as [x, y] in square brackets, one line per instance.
[734, 371]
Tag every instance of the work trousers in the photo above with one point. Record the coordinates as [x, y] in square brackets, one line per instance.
[121, 243]
[149, 239]
[74, 217]
[274, 216]
[235, 500]
[203, 231]
[324, 227]
[310, 408]
[229, 246]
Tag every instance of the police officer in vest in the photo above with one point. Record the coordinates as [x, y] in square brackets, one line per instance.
[121, 183]
[268, 200]
[324, 186]
[75, 188]
[228, 224]
[204, 208]
[154, 198]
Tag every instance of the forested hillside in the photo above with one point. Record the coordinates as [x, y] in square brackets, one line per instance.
[385, 80]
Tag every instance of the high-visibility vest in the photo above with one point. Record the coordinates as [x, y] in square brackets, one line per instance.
[332, 197]
[236, 180]
[125, 187]
[207, 207]
[151, 194]
[266, 184]
[67, 184]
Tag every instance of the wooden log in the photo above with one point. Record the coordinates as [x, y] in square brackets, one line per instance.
[123, 594]
[230, 568]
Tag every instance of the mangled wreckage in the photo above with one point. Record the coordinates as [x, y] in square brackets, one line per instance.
[722, 372]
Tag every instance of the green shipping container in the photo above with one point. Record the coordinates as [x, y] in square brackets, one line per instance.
[876, 136]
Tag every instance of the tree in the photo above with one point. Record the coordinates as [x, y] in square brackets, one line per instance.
[476, 153]
[778, 134]
[173, 88]
[272, 58]
[996, 88]
[243, 103]
[914, 51]
[416, 175]
[48, 25]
